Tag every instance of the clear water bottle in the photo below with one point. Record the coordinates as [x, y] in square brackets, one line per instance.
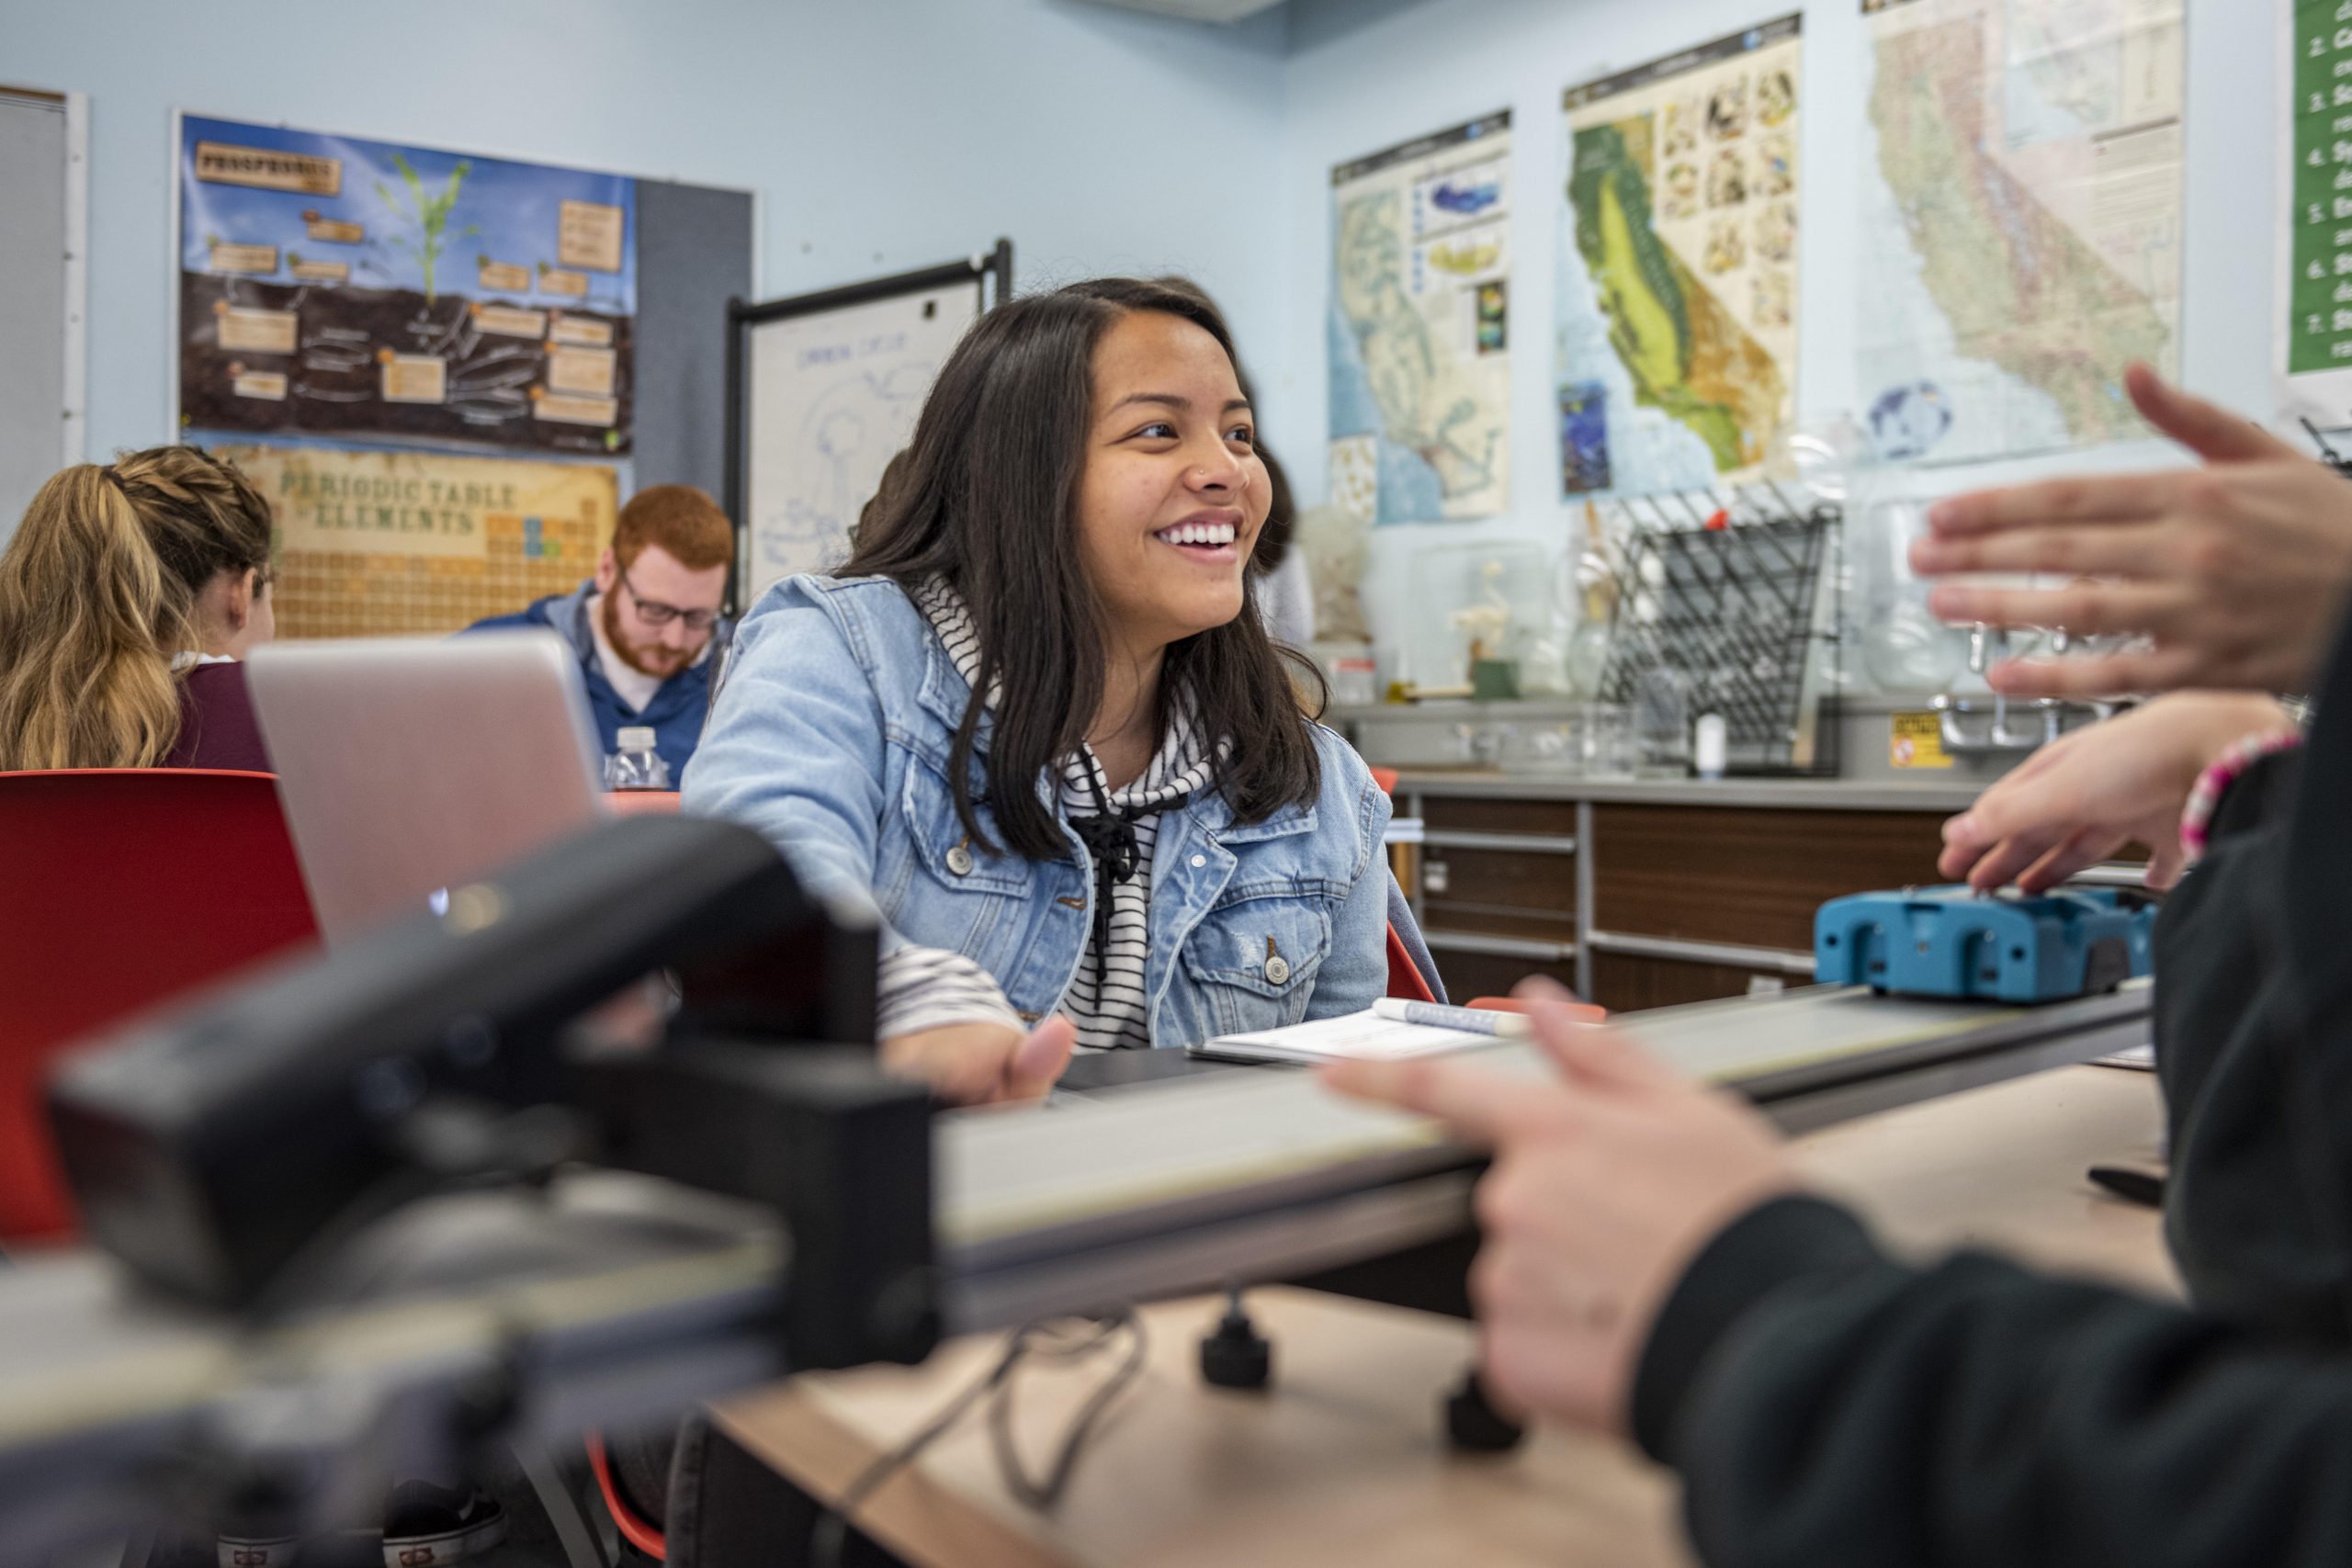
[637, 765]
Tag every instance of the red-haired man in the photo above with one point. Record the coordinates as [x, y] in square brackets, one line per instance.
[647, 628]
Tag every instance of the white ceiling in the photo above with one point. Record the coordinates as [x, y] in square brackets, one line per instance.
[1196, 10]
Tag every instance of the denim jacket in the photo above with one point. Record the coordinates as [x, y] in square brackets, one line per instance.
[831, 735]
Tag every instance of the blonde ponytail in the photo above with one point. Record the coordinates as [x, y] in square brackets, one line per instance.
[97, 599]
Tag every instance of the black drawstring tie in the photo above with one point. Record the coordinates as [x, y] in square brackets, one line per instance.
[1110, 838]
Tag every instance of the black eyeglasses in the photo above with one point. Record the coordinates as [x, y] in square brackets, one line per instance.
[657, 613]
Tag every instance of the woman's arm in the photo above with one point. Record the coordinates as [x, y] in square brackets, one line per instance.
[1649, 1261]
[1827, 1404]
[796, 749]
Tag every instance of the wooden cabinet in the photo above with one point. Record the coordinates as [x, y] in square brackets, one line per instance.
[1499, 872]
[1625, 983]
[1753, 877]
[1640, 904]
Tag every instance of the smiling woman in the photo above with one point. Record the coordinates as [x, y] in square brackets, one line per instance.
[1031, 722]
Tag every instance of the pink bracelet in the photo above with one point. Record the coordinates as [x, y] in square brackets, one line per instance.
[2197, 820]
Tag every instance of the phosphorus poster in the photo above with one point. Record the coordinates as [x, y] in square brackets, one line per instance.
[1420, 336]
[335, 286]
[2021, 205]
[1675, 357]
[405, 543]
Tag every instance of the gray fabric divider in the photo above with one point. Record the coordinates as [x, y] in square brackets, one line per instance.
[693, 254]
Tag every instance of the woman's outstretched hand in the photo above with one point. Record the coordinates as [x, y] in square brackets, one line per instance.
[1607, 1181]
[2237, 572]
[984, 1064]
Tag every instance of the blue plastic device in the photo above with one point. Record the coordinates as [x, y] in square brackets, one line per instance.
[1949, 942]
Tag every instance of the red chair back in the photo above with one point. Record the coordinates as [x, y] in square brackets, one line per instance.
[123, 887]
[1404, 982]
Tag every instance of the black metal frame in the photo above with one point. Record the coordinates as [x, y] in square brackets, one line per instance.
[1740, 597]
[743, 316]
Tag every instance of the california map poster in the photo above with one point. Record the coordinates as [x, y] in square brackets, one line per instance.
[1419, 330]
[1677, 294]
[341, 288]
[2021, 201]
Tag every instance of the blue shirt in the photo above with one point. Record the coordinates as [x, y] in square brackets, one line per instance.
[677, 709]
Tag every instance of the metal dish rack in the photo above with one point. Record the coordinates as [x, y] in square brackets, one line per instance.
[1737, 595]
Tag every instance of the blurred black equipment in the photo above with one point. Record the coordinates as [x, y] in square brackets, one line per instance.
[211, 1146]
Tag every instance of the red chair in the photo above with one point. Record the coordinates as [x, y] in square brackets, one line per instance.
[1405, 980]
[124, 887]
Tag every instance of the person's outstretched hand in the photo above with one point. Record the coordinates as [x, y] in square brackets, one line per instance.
[2081, 798]
[1607, 1180]
[2238, 572]
[984, 1064]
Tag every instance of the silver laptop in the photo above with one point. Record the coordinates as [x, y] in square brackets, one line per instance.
[408, 766]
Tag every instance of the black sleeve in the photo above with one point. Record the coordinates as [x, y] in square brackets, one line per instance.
[2240, 1211]
[1827, 1404]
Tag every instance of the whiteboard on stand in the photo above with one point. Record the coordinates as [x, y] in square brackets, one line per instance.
[827, 388]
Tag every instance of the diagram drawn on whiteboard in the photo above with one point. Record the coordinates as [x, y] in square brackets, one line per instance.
[833, 392]
[849, 435]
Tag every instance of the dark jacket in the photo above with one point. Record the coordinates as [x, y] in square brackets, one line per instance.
[678, 707]
[1825, 1404]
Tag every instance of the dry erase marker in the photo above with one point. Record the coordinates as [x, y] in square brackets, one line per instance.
[1471, 1020]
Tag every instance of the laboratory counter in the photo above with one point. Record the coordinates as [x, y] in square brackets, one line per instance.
[1642, 893]
[1796, 794]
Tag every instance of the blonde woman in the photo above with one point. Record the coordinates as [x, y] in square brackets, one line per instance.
[127, 596]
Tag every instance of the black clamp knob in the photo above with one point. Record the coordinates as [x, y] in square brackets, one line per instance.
[1474, 1425]
[1235, 1354]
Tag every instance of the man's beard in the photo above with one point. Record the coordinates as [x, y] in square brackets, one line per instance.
[668, 661]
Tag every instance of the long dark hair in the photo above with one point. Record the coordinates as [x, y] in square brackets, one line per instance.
[986, 498]
[1281, 516]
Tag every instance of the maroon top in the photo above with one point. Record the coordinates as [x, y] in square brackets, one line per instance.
[217, 726]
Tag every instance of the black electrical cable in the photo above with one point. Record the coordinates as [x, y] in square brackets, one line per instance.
[828, 1541]
[1045, 1493]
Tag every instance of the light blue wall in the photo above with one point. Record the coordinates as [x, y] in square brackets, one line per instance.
[880, 134]
[886, 134]
[1364, 74]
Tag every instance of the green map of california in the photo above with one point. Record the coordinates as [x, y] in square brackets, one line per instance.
[1687, 354]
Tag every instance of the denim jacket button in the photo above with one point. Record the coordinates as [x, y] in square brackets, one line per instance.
[1277, 970]
[1200, 860]
[959, 860]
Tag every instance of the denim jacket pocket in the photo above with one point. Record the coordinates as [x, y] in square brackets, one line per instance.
[935, 837]
[941, 888]
[1254, 959]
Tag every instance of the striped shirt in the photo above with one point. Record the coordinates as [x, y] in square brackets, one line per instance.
[924, 987]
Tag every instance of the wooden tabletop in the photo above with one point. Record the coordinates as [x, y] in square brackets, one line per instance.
[1342, 1460]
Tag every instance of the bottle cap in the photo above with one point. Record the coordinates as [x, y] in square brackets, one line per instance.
[636, 738]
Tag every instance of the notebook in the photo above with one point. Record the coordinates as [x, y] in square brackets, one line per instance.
[1364, 1036]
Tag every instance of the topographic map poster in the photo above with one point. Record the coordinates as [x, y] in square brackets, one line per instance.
[2021, 221]
[1677, 261]
[331, 286]
[2315, 198]
[1419, 327]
